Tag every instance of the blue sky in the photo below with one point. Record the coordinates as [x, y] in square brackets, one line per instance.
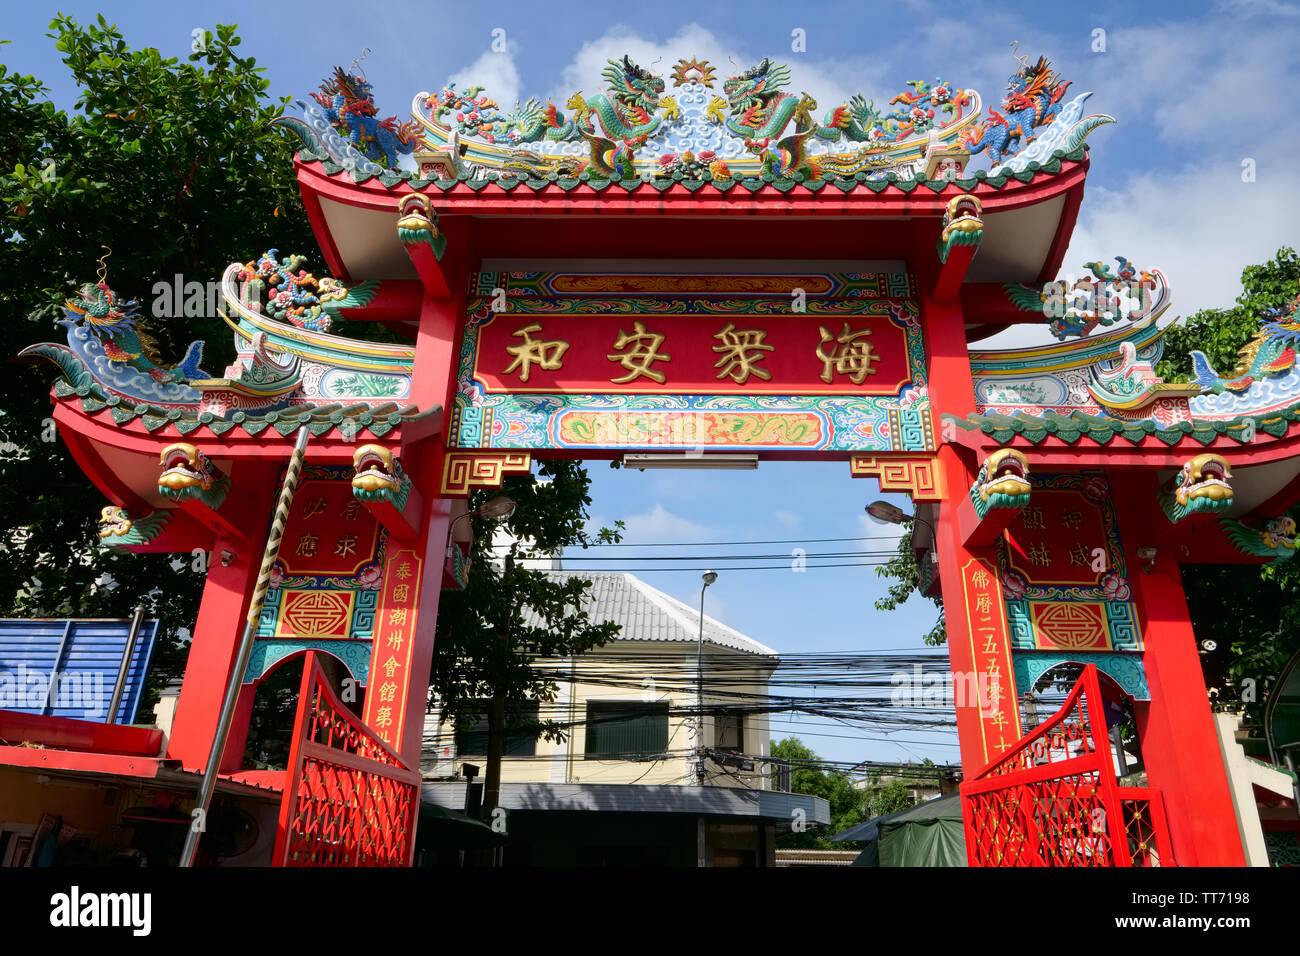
[1197, 90]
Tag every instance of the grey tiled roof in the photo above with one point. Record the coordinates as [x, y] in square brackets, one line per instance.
[648, 614]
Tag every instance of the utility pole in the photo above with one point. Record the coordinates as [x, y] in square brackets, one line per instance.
[709, 577]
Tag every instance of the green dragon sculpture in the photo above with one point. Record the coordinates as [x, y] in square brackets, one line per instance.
[1276, 541]
[1270, 352]
[614, 123]
[1200, 488]
[759, 112]
[118, 530]
[1002, 482]
[114, 321]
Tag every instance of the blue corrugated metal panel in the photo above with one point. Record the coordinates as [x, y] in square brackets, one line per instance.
[85, 654]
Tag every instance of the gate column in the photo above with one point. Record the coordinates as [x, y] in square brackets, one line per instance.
[1180, 747]
[979, 651]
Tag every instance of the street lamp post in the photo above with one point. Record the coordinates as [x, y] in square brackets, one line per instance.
[709, 577]
[892, 514]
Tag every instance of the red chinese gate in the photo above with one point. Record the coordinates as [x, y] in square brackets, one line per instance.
[349, 799]
[1038, 805]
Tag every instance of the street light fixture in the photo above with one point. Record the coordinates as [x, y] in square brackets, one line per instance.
[884, 511]
[491, 510]
[498, 507]
[709, 577]
[892, 514]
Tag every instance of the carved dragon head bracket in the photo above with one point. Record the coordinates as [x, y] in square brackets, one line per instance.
[1275, 541]
[1002, 482]
[417, 222]
[117, 529]
[188, 475]
[1202, 487]
[379, 477]
[962, 224]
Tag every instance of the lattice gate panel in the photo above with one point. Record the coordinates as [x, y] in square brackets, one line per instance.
[1053, 800]
[349, 800]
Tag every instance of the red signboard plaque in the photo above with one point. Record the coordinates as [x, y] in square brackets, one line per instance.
[390, 657]
[1059, 538]
[991, 652]
[776, 354]
[328, 532]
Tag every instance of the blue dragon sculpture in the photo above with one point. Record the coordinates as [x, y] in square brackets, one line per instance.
[1033, 100]
[114, 321]
[349, 105]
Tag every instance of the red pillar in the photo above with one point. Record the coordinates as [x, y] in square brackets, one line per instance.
[232, 761]
[213, 646]
[952, 391]
[437, 354]
[433, 547]
[1180, 749]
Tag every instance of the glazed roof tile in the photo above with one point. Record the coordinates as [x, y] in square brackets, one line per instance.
[1103, 429]
[753, 184]
[648, 614]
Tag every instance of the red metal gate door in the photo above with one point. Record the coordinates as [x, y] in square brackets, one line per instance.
[1053, 800]
[349, 800]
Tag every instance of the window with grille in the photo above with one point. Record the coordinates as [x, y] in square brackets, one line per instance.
[632, 729]
[520, 740]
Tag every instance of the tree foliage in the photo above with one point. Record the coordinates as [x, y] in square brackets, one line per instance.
[508, 615]
[849, 806]
[175, 167]
[1219, 333]
[1251, 613]
[905, 576]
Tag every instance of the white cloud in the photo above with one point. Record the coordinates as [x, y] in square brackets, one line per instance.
[1267, 8]
[496, 72]
[1200, 227]
[787, 519]
[660, 524]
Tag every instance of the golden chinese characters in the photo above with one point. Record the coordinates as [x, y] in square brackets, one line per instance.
[1033, 518]
[851, 355]
[644, 353]
[546, 355]
[741, 350]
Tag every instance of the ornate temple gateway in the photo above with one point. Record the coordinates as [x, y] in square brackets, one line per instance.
[697, 262]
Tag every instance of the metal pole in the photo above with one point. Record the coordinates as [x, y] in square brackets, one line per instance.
[699, 694]
[269, 555]
[126, 665]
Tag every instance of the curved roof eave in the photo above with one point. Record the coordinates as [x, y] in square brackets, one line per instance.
[332, 193]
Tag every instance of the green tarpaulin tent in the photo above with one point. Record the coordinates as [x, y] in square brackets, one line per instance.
[929, 834]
